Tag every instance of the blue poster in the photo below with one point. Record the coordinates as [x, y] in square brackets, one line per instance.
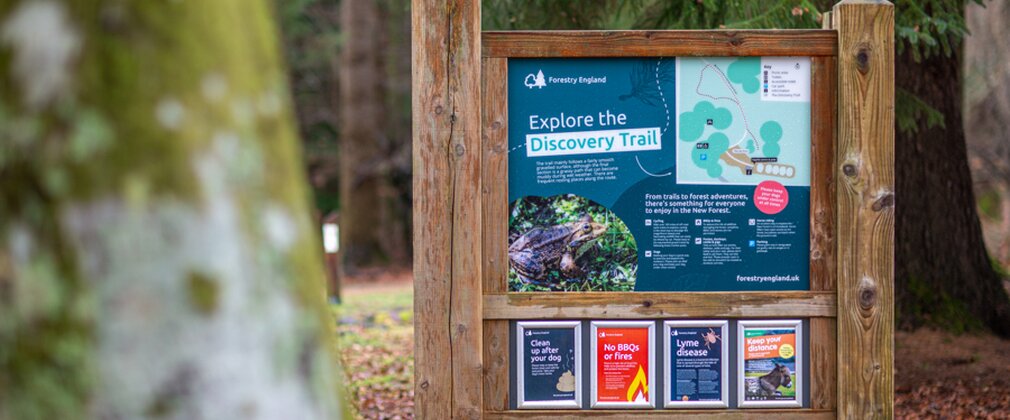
[696, 364]
[549, 365]
[659, 174]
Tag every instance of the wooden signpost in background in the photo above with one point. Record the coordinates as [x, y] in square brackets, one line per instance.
[463, 308]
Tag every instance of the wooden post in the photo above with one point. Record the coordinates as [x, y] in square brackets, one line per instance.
[334, 260]
[447, 212]
[461, 304]
[865, 159]
[494, 164]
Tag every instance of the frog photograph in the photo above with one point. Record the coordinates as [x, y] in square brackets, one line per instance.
[569, 243]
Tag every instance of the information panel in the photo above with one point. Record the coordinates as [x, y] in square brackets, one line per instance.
[549, 364]
[696, 367]
[659, 174]
[770, 358]
[621, 374]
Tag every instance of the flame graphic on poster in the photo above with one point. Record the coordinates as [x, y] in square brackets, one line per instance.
[640, 384]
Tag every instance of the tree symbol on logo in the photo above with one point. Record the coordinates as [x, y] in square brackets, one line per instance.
[535, 80]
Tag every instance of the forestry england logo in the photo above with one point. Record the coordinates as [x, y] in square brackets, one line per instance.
[536, 80]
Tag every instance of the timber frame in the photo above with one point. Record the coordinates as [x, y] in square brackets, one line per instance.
[462, 307]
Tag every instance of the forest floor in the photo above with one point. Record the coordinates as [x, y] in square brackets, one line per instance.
[938, 374]
[942, 375]
[375, 339]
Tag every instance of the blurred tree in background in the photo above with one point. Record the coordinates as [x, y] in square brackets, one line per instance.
[987, 119]
[943, 273]
[372, 141]
[312, 38]
[350, 70]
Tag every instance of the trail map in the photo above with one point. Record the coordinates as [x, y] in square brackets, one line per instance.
[743, 120]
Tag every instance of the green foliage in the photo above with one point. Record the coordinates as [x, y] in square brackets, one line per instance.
[555, 14]
[736, 14]
[928, 27]
[913, 113]
[611, 264]
[649, 14]
[925, 27]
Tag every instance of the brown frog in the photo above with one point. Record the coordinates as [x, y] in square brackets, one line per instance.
[542, 249]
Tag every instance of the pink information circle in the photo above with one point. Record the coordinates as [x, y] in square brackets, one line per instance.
[771, 197]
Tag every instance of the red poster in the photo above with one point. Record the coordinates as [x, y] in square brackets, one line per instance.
[622, 364]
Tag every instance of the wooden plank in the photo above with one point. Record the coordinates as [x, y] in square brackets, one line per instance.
[496, 365]
[761, 414]
[823, 362]
[823, 331]
[447, 246]
[822, 183]
[646, 305]
[865, 208]
[494, 171]
[465, 321]
[814, 42]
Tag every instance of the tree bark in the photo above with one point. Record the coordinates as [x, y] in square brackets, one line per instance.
[369, 229]
[942, 269]
[157, 257]
[987, 114]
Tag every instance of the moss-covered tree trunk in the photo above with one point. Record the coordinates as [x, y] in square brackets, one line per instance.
[156, 254]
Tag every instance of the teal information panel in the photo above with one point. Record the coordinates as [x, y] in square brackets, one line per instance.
[659, 174]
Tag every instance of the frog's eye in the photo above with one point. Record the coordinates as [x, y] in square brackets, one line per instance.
[586, 228]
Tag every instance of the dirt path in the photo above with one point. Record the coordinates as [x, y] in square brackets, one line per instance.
[377, 281]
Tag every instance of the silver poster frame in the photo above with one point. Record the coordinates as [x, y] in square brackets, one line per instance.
[593, 374]
[723, 327]
[521, 402]
[742, 327]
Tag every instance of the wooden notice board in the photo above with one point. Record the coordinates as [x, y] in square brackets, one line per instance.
[465, 314]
